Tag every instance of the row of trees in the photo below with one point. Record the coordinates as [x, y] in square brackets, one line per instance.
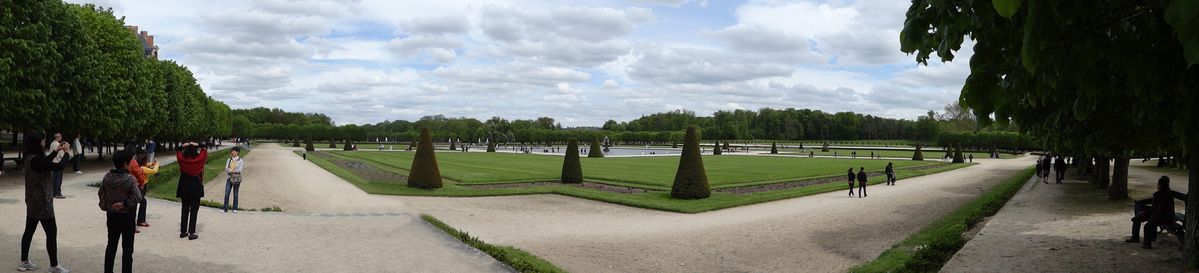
[76, 69]
[1101, 79]
[785, 124]
[985, 141]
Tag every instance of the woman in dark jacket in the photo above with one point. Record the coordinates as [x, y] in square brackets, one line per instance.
[191, 158]
[39, 197]
[851, 178]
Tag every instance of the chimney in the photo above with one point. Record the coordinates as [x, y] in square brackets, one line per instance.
[144, 33]
[150, 40]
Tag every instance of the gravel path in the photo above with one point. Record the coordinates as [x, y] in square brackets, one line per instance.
[396, 241]
[1070, 228]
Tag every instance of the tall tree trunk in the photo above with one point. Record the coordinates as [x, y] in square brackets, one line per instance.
[1102, 172]
[1191, 245]
[1118, 190]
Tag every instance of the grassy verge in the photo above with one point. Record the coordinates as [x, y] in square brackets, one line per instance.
[932, 247]
[164, 184]
[654, 199]
[518, 259]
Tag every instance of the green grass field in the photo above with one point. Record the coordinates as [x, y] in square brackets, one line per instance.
[643, 172]
[653, 199]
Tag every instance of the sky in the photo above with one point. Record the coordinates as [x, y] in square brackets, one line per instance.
[580, 62]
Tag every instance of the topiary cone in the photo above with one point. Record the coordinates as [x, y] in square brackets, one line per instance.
[490, 146]
[716, 149]
[919, 156]
[424, 172]
[691, 180]
[596, 151]
[825, 148]
[308, 145]
[332, 144]
[296, 143]
[346, 146]
[774, 148]
[572, 169]
[452, 147]
[957, 155]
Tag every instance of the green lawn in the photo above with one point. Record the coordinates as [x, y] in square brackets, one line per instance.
[658, 199]
[642, 172]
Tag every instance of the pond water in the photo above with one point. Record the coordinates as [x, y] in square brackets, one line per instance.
[614, 151]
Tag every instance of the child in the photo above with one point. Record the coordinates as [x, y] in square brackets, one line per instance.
[147, 168]
[118, 194]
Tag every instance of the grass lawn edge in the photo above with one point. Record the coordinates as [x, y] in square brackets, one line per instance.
[930, 248]
[515, 258]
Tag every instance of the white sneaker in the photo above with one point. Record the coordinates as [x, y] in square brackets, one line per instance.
[26, 266]
[59, 269]
[78, 172]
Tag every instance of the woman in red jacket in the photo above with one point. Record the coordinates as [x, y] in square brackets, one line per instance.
[191, 158]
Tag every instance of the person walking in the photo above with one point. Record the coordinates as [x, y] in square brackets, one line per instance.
[143, 163]
[1047, 165]
[1, 160]
[1040, 168]
[233, 167]
[861, 182]
[118, 198]
[971, 157]
[56, 175]
[1060, 166]
[191, 158]
[39, 200]
[890, 171]
[851, 178]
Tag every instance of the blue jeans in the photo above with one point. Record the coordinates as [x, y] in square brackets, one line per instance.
[235, 188]
[57, 182]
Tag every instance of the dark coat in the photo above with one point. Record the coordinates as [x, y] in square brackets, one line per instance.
[1060, 164]
[862, 177]
[1163, 208]
[851, 176]
[39, 187]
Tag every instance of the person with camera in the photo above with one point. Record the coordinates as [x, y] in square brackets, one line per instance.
[191, 158]
[40, 163]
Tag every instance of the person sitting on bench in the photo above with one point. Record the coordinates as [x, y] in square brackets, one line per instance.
[1155, 212]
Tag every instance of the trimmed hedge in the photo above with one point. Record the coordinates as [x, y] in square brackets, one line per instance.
[691, 180]
[490, 146]
[572, 168]
[918, 156]
[596, 151]
[424, 172]
[774, 148]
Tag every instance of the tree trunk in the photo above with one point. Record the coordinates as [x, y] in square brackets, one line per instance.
[1102, 172]
[1191, 245]
[1118, 190]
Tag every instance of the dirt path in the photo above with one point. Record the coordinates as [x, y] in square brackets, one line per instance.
[821, 233]
[395, 241]
[1070, 228]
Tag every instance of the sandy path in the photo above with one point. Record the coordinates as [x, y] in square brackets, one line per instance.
[820, 233]
[1070, 228]
[393, 241]
[276, 176]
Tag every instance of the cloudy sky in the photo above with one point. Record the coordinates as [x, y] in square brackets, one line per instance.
[581, 62]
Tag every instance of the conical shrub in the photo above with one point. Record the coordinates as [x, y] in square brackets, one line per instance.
[332, 144]
[825, 148]
[424, 172]
[716, 150]
[308, 145]
[918, 156]
[347, 146]
[595, 150]
[295, 142]
[452, 146]
[572, 169]
[774, 148]
[490, 146]
[691, 180]
[957, 155]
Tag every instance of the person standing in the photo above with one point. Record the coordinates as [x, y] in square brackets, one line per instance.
[1040, 167]
[890, 170]
[1059, 166]
[118, 197]
[39, 201]
[151, 149]
[971, 157]
[233, 167]
[77, 151]
[147, 168]
[861, 182]
[191, 158]
[1, 160]
[56, 175]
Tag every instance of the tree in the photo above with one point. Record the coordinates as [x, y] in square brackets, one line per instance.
[572, 168]
[424, 172]
[957, 153]
[691, 180]
[1063, 72]
[595, 151]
